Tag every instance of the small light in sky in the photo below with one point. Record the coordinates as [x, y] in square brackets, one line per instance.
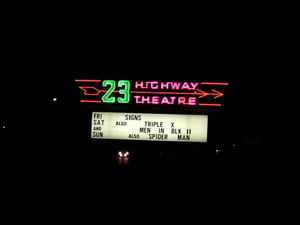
[3, 126]
[54, 99]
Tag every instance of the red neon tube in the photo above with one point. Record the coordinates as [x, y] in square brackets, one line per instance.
[79, 80]
[90, 101]
[209, 104]
[213, 83]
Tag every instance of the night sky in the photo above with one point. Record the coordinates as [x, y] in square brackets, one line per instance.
[49, 164]
[48, 152]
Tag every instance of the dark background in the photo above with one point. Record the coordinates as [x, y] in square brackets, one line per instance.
[47, 155]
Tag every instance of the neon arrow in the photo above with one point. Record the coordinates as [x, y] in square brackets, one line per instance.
[96, 91]
[198, 92]
[87, 90]
[213, 83]
[164, 92]
[216, 93]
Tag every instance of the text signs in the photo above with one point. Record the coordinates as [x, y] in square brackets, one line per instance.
[180, 93]
[149, 127]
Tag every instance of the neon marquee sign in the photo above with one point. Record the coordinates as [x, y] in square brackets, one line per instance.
[181, 93]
